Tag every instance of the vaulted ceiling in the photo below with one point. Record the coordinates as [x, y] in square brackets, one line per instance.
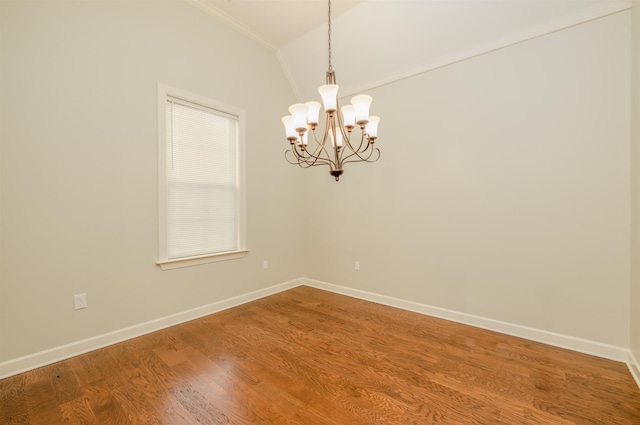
[375, 42]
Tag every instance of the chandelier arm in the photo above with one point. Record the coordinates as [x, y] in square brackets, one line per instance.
[337, 149]
[359, 157]
[322, 145]
[312, 158]
[347, 137]
[308, 159]
[338, 117]
[303, 161]
[300, 159]
[316, 161]
[355, 151]
[327, 131]
[376, 150]
[297, 162]
[303, 152]
[365, 158]
[296, 156]
[305, 164]
[359, 151]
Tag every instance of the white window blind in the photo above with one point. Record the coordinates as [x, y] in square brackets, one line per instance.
[202, 215]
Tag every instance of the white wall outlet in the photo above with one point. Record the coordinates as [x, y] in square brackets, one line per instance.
[80, 301]
[356, 265]
[265, 264]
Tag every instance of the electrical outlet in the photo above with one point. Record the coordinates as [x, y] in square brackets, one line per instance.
[265, 264]
[356, 265]
[80, 301]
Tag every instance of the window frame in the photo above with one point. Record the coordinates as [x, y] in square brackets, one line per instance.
[165, 263]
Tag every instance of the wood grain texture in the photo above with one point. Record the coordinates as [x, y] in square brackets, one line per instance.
[307, 357]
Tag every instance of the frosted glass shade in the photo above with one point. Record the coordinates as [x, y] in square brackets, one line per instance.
[289, 128]
[361, 104]
[348, 116]
[299, 113]
[372, 127]
[329, 93]
[338, 139]
[312, 112]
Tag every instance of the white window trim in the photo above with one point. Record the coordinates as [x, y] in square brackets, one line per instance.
[163, 261]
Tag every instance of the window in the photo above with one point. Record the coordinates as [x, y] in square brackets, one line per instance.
[201, 179]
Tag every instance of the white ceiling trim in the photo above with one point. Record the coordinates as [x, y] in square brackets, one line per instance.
[287, 73]
[600, 10]
[228, 20]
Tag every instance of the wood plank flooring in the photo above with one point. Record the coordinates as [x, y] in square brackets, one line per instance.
[311, 357]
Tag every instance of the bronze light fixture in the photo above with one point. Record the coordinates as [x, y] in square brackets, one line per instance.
[338, 145]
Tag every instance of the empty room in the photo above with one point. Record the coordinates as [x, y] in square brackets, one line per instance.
[319, 212]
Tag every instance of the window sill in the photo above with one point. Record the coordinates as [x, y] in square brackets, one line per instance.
[201, 259]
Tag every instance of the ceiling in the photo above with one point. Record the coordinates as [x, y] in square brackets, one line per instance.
[375, 42]
[274, 23]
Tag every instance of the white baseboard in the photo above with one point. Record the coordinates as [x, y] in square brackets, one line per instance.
[558, 340]
[43, 358]
[634, 367]
[53, 355]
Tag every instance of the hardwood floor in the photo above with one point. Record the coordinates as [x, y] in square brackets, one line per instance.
[310, 357]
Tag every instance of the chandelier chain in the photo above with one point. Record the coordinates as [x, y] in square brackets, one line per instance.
[329, 33]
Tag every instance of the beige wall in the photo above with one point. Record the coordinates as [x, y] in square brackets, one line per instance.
[502, 191]
[635, 179]
[79, 165]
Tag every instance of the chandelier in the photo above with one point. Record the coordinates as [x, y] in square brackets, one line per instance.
[339, 144]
